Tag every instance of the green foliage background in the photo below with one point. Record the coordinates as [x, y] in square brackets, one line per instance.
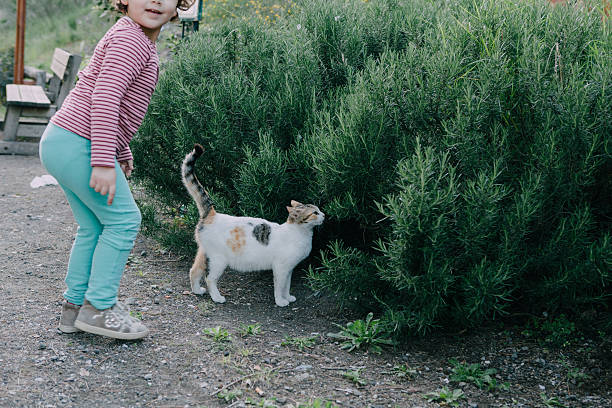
[460, 149]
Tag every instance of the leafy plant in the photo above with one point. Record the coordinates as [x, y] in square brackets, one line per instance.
[229, 395]
[137, 315]
[579, 376]
[555, 332]
[250, 330]
[445, 396]
[6, 70]
[575, 375]
[355, 377]
[473, 373]
[299, 342]
[551, 402]
[559, 332]
[403, 371]
[246, 352]
[316, 404]
[218, 334]
[369, 334]
[263, 403]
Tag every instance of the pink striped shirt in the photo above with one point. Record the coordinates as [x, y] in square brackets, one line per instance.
[111, 97]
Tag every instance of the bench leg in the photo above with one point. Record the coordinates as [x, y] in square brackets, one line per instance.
[11, 122]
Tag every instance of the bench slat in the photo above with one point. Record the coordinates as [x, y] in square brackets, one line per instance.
[60, 61]
[26, 95]
[12, 93]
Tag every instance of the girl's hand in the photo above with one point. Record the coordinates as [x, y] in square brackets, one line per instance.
[103, 181]
[127, 166]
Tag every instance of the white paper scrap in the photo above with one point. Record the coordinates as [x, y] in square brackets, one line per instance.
[44, 180]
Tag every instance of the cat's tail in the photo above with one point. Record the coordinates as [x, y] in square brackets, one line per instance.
[199, 194]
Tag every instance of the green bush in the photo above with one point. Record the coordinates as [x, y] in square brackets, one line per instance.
[6, 71]
[460, 149]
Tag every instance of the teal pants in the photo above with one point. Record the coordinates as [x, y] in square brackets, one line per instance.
[106, 233]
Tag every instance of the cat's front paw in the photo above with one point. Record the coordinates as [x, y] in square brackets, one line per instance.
[198, 290]
[218, 299]
[282, 302]
[291, 298]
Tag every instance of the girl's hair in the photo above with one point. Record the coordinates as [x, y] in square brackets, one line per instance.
[181, 5]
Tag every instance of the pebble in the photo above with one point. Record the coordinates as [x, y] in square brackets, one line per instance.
[303, 367]
[148, 376]
[303, 377]
[42, 346]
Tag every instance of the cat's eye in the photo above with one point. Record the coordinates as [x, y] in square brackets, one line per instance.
[316, 213]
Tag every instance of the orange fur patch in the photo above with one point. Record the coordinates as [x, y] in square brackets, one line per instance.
[237, 239]
[210, 217]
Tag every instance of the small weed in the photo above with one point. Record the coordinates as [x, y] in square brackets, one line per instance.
[218, 334]
[551, 402]
[137, 315]
[559, 332]
[205, 307]
[369, 334]
[228, 361]
[250, 330]
[580, 377]
[473, 373]
[316, 404]
[264, 403]
[133, 260]
[403, 371]
[354, 376]
[445, 396]
[246, 352]
[299, 342]
[229, 395]
[575, 375]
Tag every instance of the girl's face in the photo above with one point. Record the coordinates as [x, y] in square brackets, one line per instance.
[151, 15]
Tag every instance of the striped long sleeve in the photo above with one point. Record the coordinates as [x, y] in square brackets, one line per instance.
[113, 92]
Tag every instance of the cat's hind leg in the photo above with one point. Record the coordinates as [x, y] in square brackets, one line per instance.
[215, 270]
[197, 271]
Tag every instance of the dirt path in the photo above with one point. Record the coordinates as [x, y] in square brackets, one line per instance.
[179, 365]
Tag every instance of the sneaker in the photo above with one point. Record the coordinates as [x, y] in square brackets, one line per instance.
[114, 322]
[69, 315]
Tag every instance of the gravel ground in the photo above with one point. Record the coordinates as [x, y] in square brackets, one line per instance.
[180, 365]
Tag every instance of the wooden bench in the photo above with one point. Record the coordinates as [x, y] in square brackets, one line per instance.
[29, 107]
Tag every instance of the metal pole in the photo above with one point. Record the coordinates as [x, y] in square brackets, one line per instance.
[20, 42]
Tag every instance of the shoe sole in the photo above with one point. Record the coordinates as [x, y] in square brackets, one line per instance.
[109, 333]
[68, 329]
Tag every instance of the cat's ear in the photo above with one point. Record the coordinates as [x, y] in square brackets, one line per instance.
[295, 203]
[290, 209]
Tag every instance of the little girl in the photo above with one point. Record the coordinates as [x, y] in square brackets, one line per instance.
[85, 147]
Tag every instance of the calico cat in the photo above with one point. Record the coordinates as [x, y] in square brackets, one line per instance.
[246, 244]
